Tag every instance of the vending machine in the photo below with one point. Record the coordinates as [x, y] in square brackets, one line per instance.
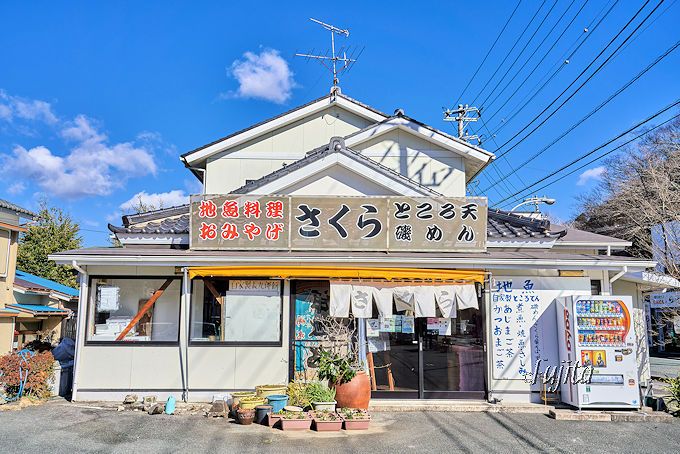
[598, 333]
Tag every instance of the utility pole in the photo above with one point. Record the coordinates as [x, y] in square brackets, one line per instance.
[460, 115]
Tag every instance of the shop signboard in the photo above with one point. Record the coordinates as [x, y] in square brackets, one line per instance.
[665, 300]
[379, 223]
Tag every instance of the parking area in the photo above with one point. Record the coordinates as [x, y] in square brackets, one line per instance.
[61, 427]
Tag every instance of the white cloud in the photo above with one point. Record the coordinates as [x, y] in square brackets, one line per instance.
[91, 167]
[591, 174]
[265, 76]
[155, 200]
[16, 188]
[26, 109]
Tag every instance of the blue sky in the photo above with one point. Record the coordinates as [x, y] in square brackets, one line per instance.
[97, 100]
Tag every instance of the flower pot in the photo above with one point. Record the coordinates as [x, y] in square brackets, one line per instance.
[296, 424]
[268, 390]
[325, 406]
[277, 401]
[356, 393]
[326, 426]
[237, 396]
[245, 416]
[261, 412]
[356, 424]
[251, 402]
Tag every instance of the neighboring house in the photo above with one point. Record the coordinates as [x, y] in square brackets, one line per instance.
[174, 318]
[10, 228]
[43, 306]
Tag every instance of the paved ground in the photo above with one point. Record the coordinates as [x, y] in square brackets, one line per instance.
[59, 427]
[664, 367]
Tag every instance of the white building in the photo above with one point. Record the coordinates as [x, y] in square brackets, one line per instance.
[195, 321]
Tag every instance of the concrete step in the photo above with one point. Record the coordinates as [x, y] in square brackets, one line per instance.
[451, 405]
[618, 416]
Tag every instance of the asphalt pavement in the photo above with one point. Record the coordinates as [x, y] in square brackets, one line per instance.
[61, 427]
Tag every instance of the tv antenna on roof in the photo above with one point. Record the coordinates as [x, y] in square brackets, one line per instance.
[335, 63]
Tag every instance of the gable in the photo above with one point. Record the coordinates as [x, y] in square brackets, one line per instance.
[281, 146]
[418, 159]
[198, 156]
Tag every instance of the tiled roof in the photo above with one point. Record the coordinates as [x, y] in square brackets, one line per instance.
[40, 284]
[16, 208]
[336, 145]
[501, 226]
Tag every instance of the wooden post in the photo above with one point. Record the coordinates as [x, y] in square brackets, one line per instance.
[371, 370]
[144, 309]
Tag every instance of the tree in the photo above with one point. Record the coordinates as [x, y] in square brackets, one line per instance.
[53, 231]
[638, 199]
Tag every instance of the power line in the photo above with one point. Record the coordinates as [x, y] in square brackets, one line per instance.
[594, 150]
[531, 38]
[489, 51]
[571, 172]
[565, 60]
[510, 51]
[542, 59]
[597, 70]
[596, 109]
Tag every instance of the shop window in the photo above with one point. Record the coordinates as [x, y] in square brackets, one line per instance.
[132, 309]
[595, 287]
[236, 311]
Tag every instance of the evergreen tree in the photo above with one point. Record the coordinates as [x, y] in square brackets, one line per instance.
[52, 231]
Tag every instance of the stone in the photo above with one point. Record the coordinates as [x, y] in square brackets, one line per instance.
[156, 409]
[130, 399]
[121, 408]
[217, 409]
[149, 400]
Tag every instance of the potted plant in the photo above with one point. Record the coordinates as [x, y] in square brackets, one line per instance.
[321, 396]
[245, 416]
[295, 420]
[352, 385]
[326, 421]
[251, 402]
[297, 395]
[355, 418]
[268, 390]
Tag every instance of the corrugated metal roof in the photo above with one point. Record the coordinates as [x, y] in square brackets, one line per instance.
[33, 282]
[16, 208]
[37, 308]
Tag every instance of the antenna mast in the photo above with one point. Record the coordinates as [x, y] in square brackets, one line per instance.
[459, 115]
[333, 59]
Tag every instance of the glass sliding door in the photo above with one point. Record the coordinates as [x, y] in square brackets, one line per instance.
[393, 359]
[453, 356]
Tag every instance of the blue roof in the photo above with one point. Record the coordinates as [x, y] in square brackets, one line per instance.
[37, 308]
[46, 283]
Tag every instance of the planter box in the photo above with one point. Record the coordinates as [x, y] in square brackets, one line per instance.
[296, 424]
[274, 420]
[356, 424]
[327, 426]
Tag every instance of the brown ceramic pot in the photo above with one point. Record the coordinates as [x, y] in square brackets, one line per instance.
[356, 393]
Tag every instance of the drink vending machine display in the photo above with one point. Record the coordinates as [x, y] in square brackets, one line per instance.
[597, 331]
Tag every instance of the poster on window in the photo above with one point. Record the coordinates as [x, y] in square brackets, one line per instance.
[523, 322]
[376, 223]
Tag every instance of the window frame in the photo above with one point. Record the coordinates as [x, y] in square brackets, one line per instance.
[10, 235]
[220, 343]
[120, 343]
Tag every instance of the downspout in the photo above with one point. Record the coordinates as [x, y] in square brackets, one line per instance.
[185, 366]
[80, 323]
[618, 275]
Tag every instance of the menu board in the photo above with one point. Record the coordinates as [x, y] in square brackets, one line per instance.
[523, 321]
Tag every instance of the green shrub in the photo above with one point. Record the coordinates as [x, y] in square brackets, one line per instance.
[319, 392]
[39, 367]
[673, 387]
[297, 395]
[335, 368]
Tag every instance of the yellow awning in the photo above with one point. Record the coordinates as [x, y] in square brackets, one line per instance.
[328, 272]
